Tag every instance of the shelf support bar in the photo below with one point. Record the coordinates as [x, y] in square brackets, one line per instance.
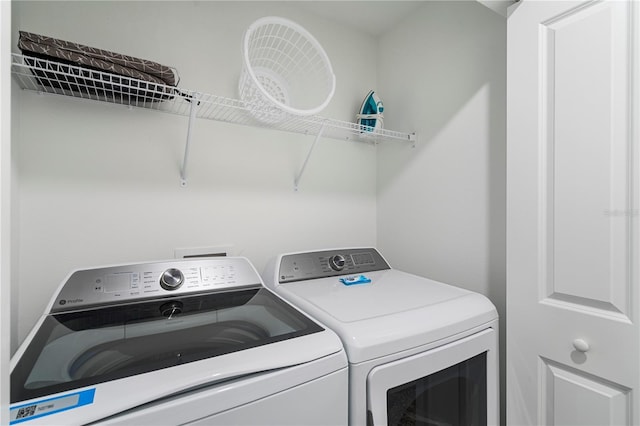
[296, 182]
[195, 100]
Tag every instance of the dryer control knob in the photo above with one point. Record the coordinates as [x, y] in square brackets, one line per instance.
[171, 279]
[336, 262]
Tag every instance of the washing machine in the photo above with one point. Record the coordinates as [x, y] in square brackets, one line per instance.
[177, 342]
[420, 352]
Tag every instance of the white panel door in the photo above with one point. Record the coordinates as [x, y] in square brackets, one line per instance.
[573, 293]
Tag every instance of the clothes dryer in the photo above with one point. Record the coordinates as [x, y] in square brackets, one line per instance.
[420, 352]
[177, 342]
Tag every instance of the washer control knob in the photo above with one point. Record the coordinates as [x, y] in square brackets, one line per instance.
[171, 279]
[336, 262]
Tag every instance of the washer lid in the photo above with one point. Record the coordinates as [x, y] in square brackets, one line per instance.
[222, 383]
[75, 349]
[396, 311]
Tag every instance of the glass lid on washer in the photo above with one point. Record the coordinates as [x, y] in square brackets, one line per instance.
[86, 347]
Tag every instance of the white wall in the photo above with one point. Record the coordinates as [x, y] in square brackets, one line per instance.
[441, 205]
[99, 184]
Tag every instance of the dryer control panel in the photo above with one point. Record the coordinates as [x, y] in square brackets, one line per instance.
[329, 263]
[126, 283]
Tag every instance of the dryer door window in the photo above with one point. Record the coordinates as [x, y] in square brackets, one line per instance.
[456, 395]
[452, 385]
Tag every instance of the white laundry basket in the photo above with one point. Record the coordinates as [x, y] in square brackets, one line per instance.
[285, 71]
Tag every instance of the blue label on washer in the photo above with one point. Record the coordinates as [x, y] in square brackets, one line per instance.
[47, 407]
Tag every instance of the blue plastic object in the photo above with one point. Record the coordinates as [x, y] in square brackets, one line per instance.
[355, 279]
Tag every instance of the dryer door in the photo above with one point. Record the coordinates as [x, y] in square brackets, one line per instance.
[455, 384]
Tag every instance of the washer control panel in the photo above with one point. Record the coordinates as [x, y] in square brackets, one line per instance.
[121, 284]
[329, 263]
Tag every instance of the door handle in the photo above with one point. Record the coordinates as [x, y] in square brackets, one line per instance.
[581, 345]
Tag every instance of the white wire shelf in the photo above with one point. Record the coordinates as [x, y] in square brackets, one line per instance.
[46, 76]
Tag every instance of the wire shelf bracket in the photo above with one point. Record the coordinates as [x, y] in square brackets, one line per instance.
[192, 118]
[52, 77]
[296, 181]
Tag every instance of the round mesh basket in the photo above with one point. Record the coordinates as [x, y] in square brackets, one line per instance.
[285, 71]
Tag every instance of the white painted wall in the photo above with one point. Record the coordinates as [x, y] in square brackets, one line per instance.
[441, 205]
[99, 184]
